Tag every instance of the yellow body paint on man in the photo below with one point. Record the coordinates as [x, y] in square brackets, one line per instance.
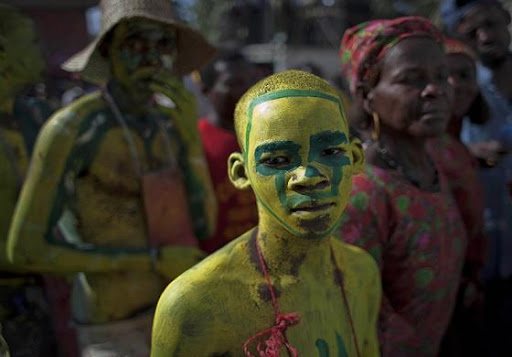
[298, 159]
[107, 165]
[21, 65]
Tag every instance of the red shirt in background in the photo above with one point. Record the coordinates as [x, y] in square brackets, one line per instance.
[237, 211]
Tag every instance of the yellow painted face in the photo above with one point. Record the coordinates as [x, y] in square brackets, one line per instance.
[298, 159]
[142, 49]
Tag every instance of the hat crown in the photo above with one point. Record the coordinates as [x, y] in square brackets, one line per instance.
[115, 10]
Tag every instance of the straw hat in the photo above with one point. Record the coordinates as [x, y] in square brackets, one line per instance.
[193, 51]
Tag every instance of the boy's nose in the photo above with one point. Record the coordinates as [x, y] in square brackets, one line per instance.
[307, 178]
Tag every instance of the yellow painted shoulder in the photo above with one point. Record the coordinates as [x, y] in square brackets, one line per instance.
[191, 310]
[68, 119]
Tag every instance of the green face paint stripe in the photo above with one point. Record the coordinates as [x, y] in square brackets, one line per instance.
[286, 93]
[288, 227]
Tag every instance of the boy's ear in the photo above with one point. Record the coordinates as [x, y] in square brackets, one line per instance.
[236, 171]
[357, 155]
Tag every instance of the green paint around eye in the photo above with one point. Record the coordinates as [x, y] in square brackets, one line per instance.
[325, 140]
[291, 150]
[286, 93]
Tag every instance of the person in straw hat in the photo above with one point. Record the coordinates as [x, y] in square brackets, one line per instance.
[119, 191]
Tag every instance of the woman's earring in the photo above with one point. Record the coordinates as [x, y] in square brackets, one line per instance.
[376, 126]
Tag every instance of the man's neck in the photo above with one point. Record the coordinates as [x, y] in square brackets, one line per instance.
[285, 253]
[125, 99]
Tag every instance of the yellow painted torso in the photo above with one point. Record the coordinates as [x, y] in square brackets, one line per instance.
[216, 306]
[111, 211]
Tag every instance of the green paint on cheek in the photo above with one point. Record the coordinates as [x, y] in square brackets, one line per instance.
[280, 187]
[287, 149]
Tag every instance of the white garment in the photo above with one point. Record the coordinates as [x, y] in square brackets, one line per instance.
[126, 338]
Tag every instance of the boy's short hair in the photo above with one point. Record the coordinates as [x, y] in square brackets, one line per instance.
[287, 80]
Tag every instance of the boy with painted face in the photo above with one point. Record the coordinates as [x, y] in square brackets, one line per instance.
[286, 285]
[119, 190]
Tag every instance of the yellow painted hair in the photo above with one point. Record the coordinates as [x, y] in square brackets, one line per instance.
[291, 79]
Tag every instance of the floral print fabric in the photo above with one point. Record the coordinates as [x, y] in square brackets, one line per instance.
[419, 243]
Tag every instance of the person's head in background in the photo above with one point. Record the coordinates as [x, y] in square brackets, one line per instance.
[21, 58]
[467, 100]
[483, 23]
[398, 78]
[224, 81]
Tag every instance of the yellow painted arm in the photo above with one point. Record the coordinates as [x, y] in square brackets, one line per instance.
[183, 113]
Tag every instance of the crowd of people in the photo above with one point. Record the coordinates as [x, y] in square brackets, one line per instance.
[295, 218]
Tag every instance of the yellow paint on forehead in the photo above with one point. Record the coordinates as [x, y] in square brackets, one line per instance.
[294, 119]
[287, 108]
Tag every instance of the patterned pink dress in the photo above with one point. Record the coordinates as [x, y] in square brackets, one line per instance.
[419, 242]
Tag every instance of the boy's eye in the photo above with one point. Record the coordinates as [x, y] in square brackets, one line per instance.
[333, 152]
[275, 161]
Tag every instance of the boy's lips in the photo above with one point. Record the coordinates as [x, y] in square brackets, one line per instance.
[312, 207]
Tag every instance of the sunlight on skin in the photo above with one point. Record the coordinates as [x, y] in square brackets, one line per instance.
[299, 162]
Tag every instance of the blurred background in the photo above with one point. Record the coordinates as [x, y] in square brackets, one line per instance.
[274, 34]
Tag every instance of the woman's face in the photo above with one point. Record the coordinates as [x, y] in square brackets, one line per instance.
[412, 96]
[462, 78]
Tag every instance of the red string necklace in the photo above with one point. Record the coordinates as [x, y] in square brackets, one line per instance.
[277, 333]
[269, 341]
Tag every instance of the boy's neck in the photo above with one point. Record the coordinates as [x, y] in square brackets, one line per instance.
[285, 253]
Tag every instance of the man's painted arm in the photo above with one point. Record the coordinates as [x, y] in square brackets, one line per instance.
[183, 113]
[28, 243]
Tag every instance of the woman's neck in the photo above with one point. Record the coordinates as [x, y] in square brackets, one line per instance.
[408, 156]
[285, 253]
[406, 149]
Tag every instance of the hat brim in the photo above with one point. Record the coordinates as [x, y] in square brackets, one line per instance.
[193, 52]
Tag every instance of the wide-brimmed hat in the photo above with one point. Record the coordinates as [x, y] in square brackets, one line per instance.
[193, 51]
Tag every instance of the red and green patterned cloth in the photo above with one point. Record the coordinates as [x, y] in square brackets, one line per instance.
[419, 242]
[461, 170]
[364, 45]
